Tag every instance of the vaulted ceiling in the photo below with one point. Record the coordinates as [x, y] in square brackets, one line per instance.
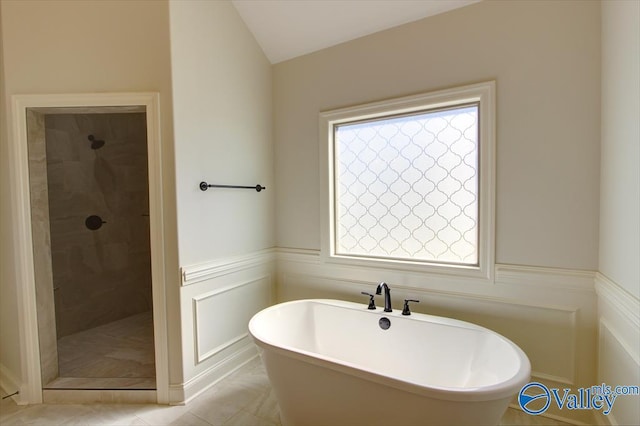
[289, 28]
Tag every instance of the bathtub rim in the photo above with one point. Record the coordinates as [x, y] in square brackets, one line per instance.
[505, 389]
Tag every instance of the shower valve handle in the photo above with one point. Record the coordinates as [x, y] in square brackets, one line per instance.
[372, 303]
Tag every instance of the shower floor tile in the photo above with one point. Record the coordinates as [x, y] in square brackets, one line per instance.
[118, 355]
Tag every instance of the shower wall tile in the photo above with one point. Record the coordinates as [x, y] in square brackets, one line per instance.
[41, 246]
[105, 274]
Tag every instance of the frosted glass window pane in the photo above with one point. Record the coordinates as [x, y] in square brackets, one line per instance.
[406, 187]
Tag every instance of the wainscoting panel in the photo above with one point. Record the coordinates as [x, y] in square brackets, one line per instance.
[217, 301]
[240, 302]
[549, 313]
[525, 324]
[618, 347]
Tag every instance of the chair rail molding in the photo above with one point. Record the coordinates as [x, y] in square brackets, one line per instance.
[216, 268]
[624, 302]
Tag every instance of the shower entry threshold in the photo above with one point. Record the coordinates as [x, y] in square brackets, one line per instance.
[107, 383]
[95, 390]
[98, 396]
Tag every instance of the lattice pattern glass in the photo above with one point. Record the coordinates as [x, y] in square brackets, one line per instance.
[406, 187]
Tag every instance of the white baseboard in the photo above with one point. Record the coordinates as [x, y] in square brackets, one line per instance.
[182, 394]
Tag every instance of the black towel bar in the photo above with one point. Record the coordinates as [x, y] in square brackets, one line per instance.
[204, 186]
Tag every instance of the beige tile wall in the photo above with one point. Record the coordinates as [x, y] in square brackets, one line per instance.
[42, 245]
[99, 275]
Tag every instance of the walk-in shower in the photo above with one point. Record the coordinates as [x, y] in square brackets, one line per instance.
[90, 220]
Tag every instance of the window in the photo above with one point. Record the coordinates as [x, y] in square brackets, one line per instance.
[406, 186]
[409, 182]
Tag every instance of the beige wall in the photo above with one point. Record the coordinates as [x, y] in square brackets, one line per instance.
[222, 121]
[545, 59]
[10, 364]
[620, 181]
[87, 47]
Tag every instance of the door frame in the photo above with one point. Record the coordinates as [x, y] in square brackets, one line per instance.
[31, 386]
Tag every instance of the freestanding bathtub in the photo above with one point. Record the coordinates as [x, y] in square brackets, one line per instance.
[331, 363]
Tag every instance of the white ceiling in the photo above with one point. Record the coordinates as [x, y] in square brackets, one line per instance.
[289, 28]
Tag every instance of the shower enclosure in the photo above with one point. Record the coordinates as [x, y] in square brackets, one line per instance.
[90, 218]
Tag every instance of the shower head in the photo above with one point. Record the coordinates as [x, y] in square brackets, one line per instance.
[95, 143]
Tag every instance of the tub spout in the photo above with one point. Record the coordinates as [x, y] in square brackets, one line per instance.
[387, 295]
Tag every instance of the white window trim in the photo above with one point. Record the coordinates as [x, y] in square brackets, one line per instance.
[484, 94]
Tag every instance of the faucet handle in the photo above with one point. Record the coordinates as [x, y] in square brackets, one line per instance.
[372, 303]
[405, 309]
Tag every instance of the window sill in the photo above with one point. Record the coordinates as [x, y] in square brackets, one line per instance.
[460, 271]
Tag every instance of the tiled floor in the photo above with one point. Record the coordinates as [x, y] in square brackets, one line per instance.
[117, 355]
[244, 398]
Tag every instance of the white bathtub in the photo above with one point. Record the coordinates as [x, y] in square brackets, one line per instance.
[330, 363]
